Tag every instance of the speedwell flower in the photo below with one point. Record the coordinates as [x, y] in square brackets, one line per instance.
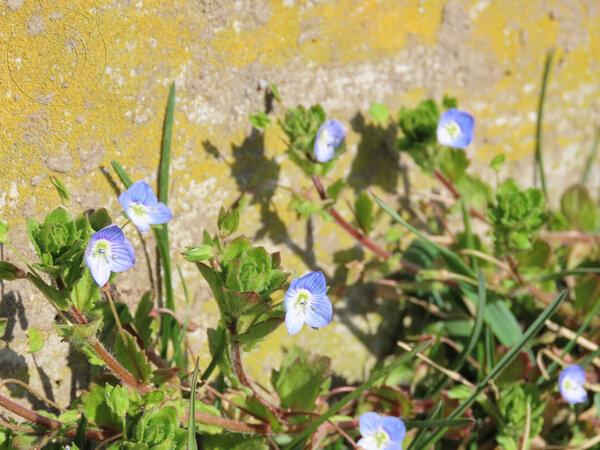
[455, 128]
[381, 433]
[142, 207]
[570, 384]
[306, 302]
[329, 137]
[108, 251]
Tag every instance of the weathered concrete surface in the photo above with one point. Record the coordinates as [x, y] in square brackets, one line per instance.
[86, 82]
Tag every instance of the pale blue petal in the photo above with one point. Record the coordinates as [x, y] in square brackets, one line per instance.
[291, 293]
[294, 320]
[466, 124]
[394, 446]
[329, 137]
[140, 221]
[159, 213]
[99, 268]
[394, 427]
[313, 282]
[574, 372]
[122, 256]
[370, 423]
[323, 151]
[141, 192]
[111, 233]
[321, 315]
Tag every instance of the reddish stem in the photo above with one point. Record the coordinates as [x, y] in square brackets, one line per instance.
[450, 186]
[25, 413]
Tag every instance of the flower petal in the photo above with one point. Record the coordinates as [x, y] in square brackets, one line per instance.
[141, 192]
[139, 220]
[313, 282]
[465, 123]
[111, 233]
[99, 268]
[122, 256]
[394, 427]
[394, 446]
[574, 372]
[159, 213]
[330, 136]
[294, 320]
[321, 315]
[368, 443]
[370, 423]
[570, 384]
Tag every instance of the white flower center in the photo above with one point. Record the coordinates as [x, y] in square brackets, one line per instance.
[452, 130]
[304, 300]
[378, 440]
[102, 249]
[138, 209]
[571, 386]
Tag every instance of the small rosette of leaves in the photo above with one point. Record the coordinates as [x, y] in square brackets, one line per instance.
[419, 129]
[516, 217]
[301, 126]
[513, 404]
[60, 243]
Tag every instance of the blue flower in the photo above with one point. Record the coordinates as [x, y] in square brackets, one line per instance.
[306, 302]
[381, 433]
[455, 128]
[108, 251]
[142, 207]
[570, 384]
[329, 137]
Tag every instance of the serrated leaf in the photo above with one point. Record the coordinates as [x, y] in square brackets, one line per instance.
[132, 358]
[142, 319]
[117, 399]
[85, 293]
[228, 222]
[94, 405]
[333, 190]
[299, 380]
[449, 102]
[260, 120]
[152, 399]
[379, 112]
[364, 211]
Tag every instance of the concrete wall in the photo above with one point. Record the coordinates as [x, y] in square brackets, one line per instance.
[86, 82]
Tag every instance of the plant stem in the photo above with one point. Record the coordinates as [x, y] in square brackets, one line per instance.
[25, 413]
[450, 186]
[538, 131]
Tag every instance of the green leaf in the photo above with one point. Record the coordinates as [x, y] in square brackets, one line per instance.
[216, 349]
[228, 222]
[9, 271]
[260, 120]
[364, 211]
[379, 112]
[233, 441]
[374, 378]
[192, 444]
[132, 358]
[3, 322]
[62, 190]
[96, 409]
[117, 399]
[35, 339]
[152, 399]
[3, 232]
[79, 439]
[419, 125]
[99, 219]
[299, 380]
[157, 427]
[449, 102]
[85, 293]
[275, 91]
[142, 319]
[199, 253]
[333, 190]
[587, 292]
[452, 162]
[497, 161]
[121, 173]
[579, 208]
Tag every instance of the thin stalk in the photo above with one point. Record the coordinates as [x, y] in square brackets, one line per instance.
[591, 159]
[539, 161]
[111, 302]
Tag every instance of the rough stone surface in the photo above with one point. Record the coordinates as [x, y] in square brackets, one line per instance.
[86, 83]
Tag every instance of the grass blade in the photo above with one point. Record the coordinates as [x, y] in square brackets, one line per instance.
[437, 423]
[169, 328]
[121, 173]
[591, 159]
[473, 338]
[192, 444]
[379, 374]
[539, 161]
[80, 433]
[502, 364]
